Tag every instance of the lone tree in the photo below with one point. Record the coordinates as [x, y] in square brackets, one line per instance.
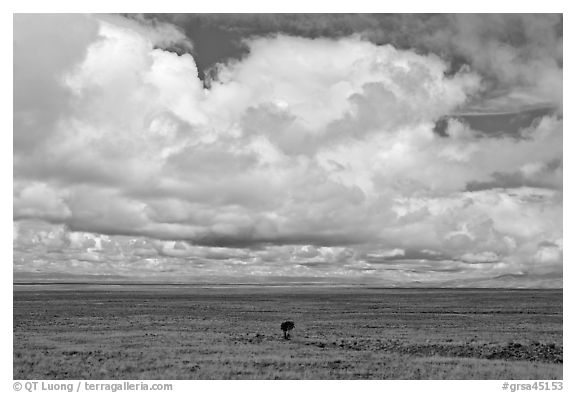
[286, 326]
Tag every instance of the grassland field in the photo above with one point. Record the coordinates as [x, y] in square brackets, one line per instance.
[233, 332]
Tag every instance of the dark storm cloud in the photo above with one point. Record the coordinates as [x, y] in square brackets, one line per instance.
[219, 37]
[509, 124]
[405, 31]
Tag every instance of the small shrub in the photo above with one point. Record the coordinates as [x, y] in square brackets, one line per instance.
[286, 326]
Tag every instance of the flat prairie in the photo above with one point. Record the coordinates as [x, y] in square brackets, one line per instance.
[233, 332]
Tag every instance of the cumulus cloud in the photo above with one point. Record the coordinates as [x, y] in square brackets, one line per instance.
[306, 156]
[519, 55]
[38, 94]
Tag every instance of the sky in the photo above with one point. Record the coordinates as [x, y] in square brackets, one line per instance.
[380, 149]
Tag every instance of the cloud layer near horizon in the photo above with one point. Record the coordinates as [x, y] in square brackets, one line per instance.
[310, 157]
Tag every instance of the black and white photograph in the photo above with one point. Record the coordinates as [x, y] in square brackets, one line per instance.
[287, 196]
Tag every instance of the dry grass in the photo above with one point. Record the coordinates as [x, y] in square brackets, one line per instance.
[234, 333]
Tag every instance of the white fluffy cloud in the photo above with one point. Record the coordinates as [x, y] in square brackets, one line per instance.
[303, 158]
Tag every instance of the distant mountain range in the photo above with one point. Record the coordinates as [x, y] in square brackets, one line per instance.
[550, 280]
